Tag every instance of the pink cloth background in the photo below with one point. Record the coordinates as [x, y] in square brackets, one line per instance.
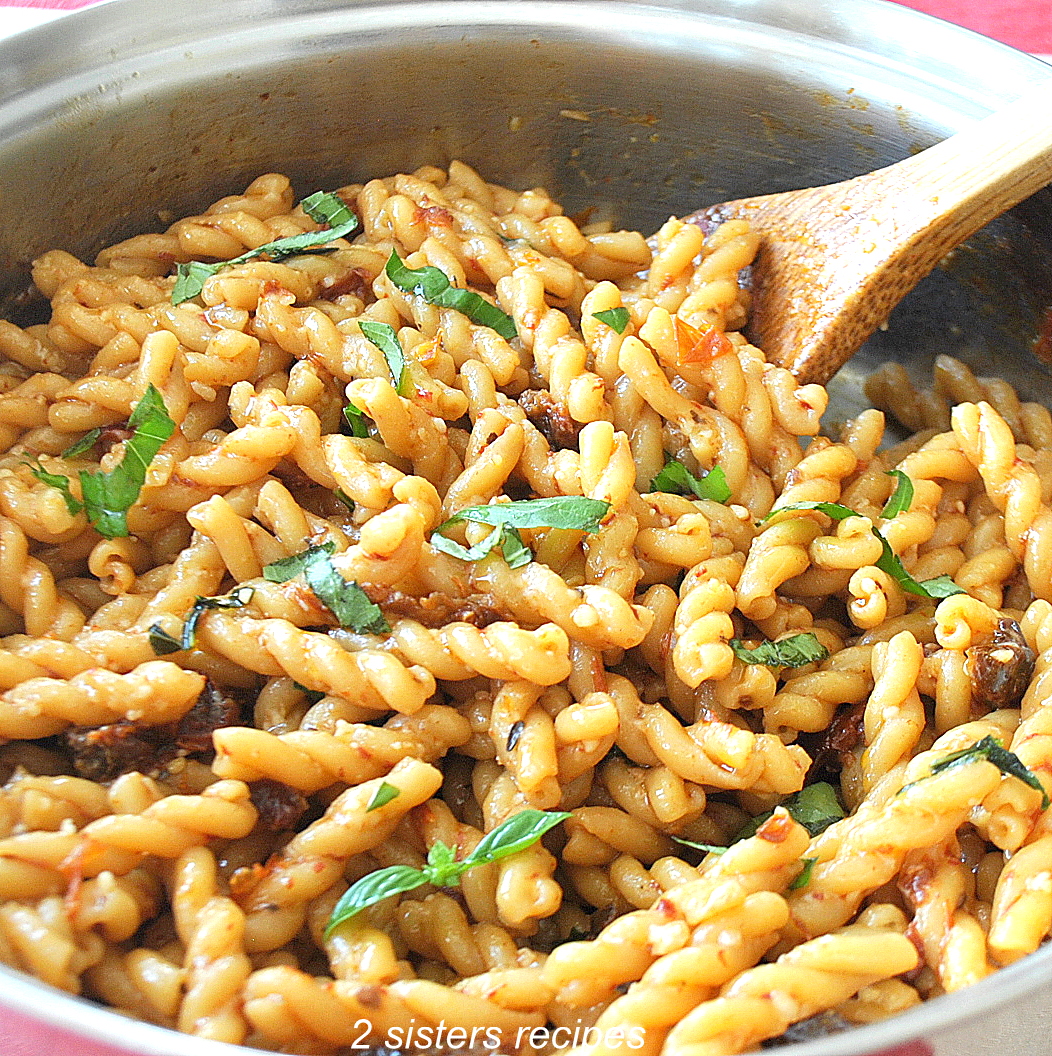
[1025, 24]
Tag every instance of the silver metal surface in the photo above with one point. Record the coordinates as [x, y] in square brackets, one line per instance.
[134, 111]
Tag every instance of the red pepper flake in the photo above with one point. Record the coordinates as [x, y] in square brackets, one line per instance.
[700, 345]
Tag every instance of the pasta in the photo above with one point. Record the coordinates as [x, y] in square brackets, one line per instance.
[445, 542]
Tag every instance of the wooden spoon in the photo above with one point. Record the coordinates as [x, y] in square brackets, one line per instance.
[835, 260]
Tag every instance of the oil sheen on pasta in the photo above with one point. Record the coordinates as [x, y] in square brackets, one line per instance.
[177, 824]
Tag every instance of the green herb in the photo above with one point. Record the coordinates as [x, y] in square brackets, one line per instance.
[708, 848]
[514, 734]
[434, 286]
[162, 642]
[382, 796]
[385, 337]
[344, 498]
[803, 878]
[574, 512]
[347, 601]
[61, 483]
[85, 443]
[795, 651]
[993, 751]
[563, 511]
[939, 587]
[312, 695]
[357, 420]
[815, 807]
[676, 479]
[902, 496]
[518, 832]
[107, 497]
[322, 207]
[616, 318]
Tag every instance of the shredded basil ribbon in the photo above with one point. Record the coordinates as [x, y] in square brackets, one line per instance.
[573, 512]
[815, 807]
[518, 832]
[106, 497]
[347, 601]
[382, 796]
[993, 751]
[794, 651]
[162, 642]
[385, 337]
[676, 479]
[901, 497]
[434, 286]
[939, 587]
[322, 207]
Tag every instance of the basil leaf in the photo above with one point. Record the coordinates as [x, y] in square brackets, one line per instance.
[235, 600]
[107, 497]
[434, 286]
[991, 749]
[708, 848]
[85, 443]
[351, 606]
[795, 651]
[289, 567]
[676, 479]
[512, 548]
[889, 561]
[382, 796]
[615, 318]
[901, 497]
[312, 695]
[815, 807]
[59, 481]
[357, 420]
[562, 511]
[161, 642]
[373, 888]
[831, 509]
[321, 207]
[324, 207]
[344, 498]
[385, 337]
[803, 878]
[515, 834]
[939, 587]
[514, 734]
[442, 869]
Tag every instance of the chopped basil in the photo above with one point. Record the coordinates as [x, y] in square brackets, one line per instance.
[815, 807]
[708, 848]
[312, 695]
[575, 512]
[106, 497]
[901, 497]
[795, 651]
[615, 318]
[803, 878]
[382, 796]
[385, 337]
[162, 642]
[358, 421]
[993, 751]
[939, 587]
[346, 600]
[434, 286]
[514, 734]
[344, 498]
[322, 207]
[676, 479]
[518, 832]
[85, 443]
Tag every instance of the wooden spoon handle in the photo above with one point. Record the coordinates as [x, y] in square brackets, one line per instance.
[984, 170]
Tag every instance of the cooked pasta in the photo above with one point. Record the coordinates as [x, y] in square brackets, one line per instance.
[419, 511]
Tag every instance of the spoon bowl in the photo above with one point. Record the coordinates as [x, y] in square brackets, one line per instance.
[835, 260]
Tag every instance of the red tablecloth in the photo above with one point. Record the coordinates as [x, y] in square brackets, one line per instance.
[1025, 24]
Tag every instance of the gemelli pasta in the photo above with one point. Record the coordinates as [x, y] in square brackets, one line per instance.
[427, 622]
